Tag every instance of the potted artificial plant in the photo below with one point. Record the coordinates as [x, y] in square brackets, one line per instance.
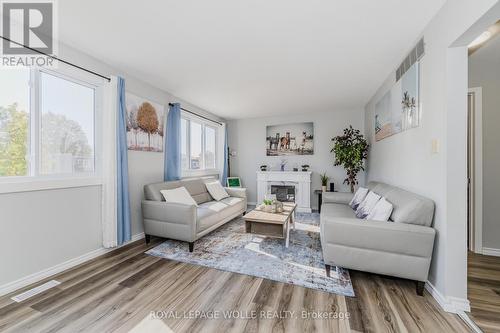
[350, 150]
[324, 181]
[268, 205]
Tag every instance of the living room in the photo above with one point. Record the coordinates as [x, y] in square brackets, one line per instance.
[243, 166]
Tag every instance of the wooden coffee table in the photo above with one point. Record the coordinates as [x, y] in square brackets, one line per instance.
[267, 224]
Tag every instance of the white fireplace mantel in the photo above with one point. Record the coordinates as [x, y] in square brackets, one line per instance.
[300, 179]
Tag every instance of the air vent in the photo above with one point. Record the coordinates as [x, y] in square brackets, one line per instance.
[415, 54]
[35, 291]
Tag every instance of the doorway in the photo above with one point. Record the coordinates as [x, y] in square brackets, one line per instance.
[483, 139]
[474, 170]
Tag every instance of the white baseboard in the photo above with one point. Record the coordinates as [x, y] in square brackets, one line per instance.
[489, 251]
[38, 276]
[448, 304]
[465, 317]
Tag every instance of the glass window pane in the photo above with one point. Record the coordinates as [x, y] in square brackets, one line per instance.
[67, 126]
[14, 122]
[195, 142]
[209, 147]
[184, 150]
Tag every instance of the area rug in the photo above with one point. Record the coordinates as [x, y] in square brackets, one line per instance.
[230, 248]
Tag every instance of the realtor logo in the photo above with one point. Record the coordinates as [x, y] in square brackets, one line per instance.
[28, 31]
[29, 24]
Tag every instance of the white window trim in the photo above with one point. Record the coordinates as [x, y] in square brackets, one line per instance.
[186, 173]
[36, 182]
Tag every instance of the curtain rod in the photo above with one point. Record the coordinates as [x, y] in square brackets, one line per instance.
[58, 59]
[198, 115]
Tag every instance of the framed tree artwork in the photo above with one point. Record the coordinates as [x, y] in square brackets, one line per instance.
[145, 124]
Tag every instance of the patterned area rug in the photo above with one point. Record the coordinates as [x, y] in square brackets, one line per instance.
[230, 248]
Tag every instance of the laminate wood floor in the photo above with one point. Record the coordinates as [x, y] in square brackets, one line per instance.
[484, 291]
[128, 291]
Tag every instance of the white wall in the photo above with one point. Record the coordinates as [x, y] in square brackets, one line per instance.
[45, 228]
[484, 71]
[406, 159]
[248, 138]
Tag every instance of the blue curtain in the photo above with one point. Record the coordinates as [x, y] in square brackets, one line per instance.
[226, 161]
[123, 202]
[173, 144]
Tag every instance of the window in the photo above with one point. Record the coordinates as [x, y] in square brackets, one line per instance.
[198, 145]
[184, 148]
[14, 122]
[195, 143]
[209, 147]
[47, 124]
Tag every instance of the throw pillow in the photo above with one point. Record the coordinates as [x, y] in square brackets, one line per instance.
[366, 206]
[358, 197]
[216, 190]
[381, 212]
[178, 195]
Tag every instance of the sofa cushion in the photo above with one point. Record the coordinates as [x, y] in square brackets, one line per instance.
[381, 212]
[333, 210]
[379, 236]
[152, 191]
[367, 205]
[234, 205]
[380, 188]
[178, 195]
[216, 190]
[212, 212]
[408, 207]
[411, 208]
[208, 214]
[196, 187]
[358, 197]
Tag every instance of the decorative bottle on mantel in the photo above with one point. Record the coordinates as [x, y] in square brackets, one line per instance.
[282, 165]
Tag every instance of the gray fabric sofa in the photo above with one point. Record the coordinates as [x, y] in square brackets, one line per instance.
[401, 247]
[188, 222]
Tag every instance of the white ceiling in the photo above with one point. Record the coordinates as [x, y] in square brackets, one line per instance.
[241, 59]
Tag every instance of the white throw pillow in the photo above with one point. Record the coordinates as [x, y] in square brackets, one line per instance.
[381, 212]
[366, 206]
[178, 195]
[358, 197]
[216, 190]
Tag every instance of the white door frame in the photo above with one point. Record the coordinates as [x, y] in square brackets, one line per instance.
[476, 226]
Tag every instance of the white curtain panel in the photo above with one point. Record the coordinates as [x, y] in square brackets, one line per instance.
[109, 156]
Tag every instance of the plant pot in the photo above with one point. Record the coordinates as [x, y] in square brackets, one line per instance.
[323, 188]
[268, 208]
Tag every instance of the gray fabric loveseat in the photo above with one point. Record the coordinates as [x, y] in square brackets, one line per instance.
[400, 247]
[188, 222]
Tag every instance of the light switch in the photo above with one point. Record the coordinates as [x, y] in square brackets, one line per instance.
[435, 146]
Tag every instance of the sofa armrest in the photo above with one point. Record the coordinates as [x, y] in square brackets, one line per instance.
[238, 192]
[337, 197]
[402, 238]
[169, 212]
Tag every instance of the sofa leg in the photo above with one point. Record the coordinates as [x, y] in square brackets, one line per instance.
[327, 268]
[148, 238]
[191, 246]
[244, 213]
[420, 288]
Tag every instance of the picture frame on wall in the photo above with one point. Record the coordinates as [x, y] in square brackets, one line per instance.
[290, 139]
[145, 124]
[233, 182]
